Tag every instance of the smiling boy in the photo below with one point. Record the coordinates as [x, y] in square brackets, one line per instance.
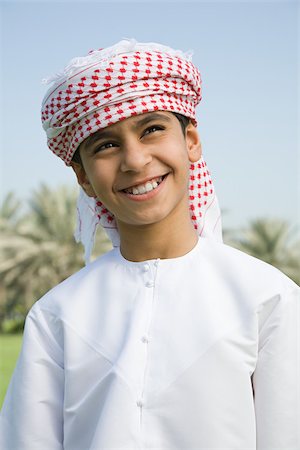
[139, 169]
[172, 340]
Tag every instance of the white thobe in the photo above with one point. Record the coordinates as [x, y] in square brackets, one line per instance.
[195, 352]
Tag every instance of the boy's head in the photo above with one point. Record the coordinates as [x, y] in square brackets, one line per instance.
[110, 89]
[139, 168]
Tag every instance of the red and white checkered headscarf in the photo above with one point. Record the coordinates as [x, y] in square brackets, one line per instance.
[113, 84]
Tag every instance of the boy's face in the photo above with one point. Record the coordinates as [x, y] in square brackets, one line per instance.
[131, 153]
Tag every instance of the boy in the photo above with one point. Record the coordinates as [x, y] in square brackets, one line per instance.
[172, 340]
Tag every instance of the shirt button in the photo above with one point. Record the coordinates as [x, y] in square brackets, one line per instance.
[145, 267]
[149, 284]
[140, 404]
[156, 262]
[145, 339]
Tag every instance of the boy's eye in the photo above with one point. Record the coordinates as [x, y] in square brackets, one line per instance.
[153, 129]
[104, 146]
[107, 145]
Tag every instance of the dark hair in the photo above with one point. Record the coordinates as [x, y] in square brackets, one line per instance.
[183, 120]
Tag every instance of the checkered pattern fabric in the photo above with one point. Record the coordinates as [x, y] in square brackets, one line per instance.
[107, 90]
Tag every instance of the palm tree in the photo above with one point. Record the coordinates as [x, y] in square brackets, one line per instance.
[10, 212]
[273, 241]
[10, 219]
[39, 250]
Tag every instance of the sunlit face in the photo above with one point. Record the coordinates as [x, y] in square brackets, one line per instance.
[139, 168]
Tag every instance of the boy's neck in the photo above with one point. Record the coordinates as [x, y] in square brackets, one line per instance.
[157, 240]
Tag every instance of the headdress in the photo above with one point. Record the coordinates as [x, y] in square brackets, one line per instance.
[112, 84]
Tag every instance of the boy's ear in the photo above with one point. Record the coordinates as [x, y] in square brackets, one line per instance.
[82, 179]
[193, 143]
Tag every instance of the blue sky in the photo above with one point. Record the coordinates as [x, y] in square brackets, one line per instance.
[247, 56]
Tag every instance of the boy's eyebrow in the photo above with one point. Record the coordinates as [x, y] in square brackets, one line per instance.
[149, 117]
[107, 133]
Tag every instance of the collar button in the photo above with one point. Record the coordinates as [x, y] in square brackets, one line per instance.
[145, 267]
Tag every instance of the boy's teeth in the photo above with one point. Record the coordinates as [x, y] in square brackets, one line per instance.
[143, 188]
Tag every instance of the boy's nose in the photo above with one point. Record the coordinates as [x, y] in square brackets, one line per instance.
[135, 156]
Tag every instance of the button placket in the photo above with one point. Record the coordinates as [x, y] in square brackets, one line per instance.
[148, 271]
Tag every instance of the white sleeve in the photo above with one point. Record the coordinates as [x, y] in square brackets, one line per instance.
[32, 413]
[276, 377]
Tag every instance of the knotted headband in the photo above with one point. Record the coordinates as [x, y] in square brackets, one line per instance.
[113, 84]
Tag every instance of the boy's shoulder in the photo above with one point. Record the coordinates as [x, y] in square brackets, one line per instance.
[240, 268]
[255, 284]
[227, 252]
[80, 283]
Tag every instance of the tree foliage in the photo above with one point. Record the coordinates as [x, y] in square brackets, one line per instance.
[37, 247]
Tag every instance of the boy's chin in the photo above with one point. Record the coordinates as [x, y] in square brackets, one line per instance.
[142, 222]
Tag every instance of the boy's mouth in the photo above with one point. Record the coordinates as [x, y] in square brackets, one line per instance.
[146, 187]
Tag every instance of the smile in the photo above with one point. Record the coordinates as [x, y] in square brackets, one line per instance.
[144, 188]
[145, 191]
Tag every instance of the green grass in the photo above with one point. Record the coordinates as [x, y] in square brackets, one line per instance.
[10, 346]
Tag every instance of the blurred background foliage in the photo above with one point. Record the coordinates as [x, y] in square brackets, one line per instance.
[38, 250]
